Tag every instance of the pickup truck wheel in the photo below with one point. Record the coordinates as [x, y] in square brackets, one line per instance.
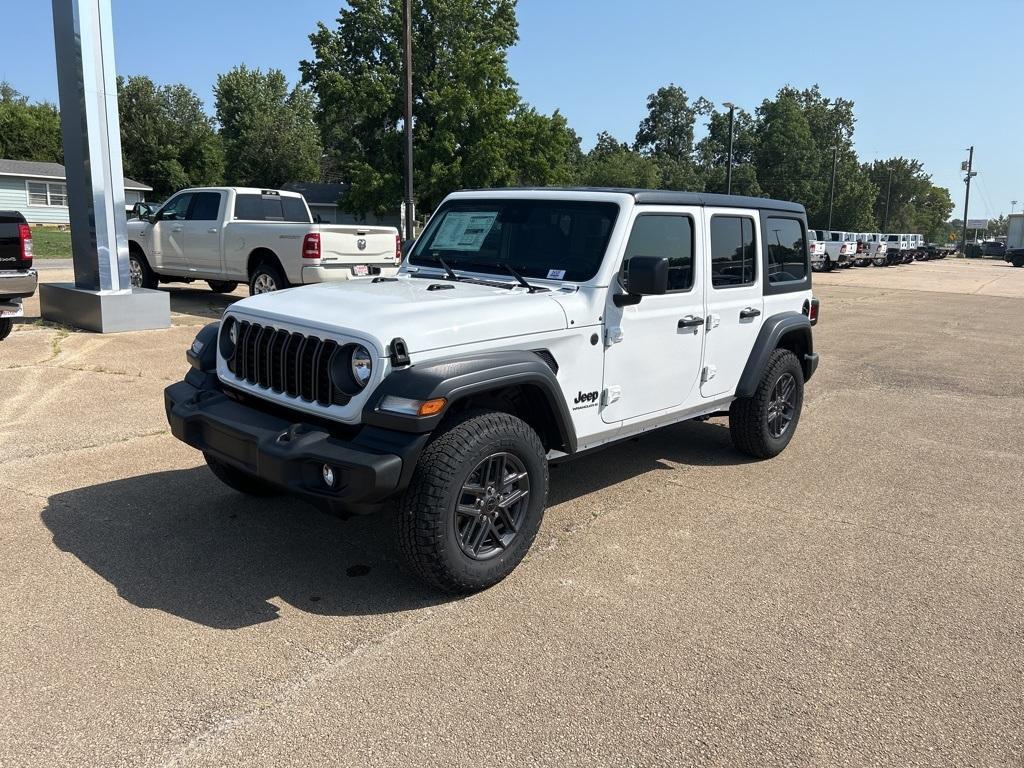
[763, 424]
[139, 272]
[826, 265]
[1018, 261]
[266, 278]
[221, 286]
[6, 326]
[238, 480]
[475, 502]
[881, 262]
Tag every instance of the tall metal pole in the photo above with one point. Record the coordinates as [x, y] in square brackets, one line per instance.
[967, 198]
[732, 123]
[1013, 206]
[888, 194]
[410, 208]
[832, 191]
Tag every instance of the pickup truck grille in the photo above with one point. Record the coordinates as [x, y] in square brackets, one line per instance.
[285, 362]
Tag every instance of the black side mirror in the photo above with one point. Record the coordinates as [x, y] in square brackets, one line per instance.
[645, 276]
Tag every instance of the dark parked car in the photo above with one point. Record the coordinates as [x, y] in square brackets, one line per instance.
[17, 278]
[993, 248]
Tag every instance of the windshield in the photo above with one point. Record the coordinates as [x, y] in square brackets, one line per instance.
[546, 239]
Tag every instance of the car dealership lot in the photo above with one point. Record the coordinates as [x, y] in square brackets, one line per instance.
[858, 599]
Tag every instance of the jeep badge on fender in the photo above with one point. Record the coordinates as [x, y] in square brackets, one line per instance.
[451, 385]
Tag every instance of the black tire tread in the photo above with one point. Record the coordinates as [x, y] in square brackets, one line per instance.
[746, 425]
[422, 536]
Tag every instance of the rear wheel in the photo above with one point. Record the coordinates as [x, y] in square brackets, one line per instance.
[763, 424]
[826, 265]
[221, 286]
[1018, 261]
[266, 278]
[475, 502]
[880, 262]
[139, 272]
[238, 480]
[6, 326]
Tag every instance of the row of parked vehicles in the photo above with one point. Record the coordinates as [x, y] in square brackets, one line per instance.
[830, 249]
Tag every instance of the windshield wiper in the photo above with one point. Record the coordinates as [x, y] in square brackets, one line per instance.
[521, 280]
[444, 265]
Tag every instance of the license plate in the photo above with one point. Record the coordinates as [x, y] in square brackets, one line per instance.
[360, 270]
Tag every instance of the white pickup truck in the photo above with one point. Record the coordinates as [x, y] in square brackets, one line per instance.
[838, 252]
[266, 238]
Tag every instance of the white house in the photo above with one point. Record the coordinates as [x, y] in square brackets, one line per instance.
[38, 191]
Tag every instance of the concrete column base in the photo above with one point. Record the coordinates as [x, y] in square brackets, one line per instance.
[138, 309]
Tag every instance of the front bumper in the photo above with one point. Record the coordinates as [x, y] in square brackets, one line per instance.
[328, 273]
[290, 452]
[18, 285]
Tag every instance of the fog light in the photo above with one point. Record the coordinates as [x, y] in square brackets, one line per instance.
[328, 475]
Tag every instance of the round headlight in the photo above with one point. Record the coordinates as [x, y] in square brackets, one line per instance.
[362, 365]
[233, 333]
[228, 337]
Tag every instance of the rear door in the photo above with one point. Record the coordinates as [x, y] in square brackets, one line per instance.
[653, 349]
[202, 233]
[735, 301]
[169, 233]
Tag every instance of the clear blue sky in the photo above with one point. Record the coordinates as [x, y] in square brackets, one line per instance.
[597, 60]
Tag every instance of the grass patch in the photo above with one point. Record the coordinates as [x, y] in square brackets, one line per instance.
[51, 243]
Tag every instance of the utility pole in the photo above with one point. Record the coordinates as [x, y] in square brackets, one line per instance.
[888, 193]
[732, 123]
[832, 191]
[1013, 206]
[967, 197]
[410, 207]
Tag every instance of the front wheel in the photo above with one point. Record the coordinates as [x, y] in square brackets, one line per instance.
[880, 262]
[763, 424]
[6, 326]
[139, 271]
[475, 502]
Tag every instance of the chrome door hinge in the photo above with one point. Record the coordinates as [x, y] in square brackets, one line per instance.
[708, 373]
[611, 395]
[612, 336]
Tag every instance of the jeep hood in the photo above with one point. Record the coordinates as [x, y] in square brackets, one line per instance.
[427, 313]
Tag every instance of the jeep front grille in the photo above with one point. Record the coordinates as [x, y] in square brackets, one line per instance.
[285, 362]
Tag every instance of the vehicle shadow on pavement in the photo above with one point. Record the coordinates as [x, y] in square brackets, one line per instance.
[199, 301]
[181, 542]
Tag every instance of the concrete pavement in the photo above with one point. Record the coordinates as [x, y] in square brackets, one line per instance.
[855, 601]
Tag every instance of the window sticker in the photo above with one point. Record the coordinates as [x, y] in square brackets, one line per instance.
[556, 274]
[463, 231]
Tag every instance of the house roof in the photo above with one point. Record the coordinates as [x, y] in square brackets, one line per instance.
[35, 170]
[317, 193]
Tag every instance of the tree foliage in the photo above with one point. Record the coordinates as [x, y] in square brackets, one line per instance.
[167, 140]
[269, 133]
[28, 131]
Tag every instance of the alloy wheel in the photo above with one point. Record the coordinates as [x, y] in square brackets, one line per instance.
[135, 273]
[264, 283]
[491, 506]
[782, 405]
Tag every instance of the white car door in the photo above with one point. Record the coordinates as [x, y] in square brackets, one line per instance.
[202, 234]
[735, 299]
[169, 233]
[653, 348]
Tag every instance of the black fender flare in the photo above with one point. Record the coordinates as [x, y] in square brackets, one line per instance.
[772, 332]
[456, 378]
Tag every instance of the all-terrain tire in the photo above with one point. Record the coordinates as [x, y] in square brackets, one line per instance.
[222, 286]
[238, 480]
[266, 277]
[749, 416]
[6, 326]
[142, 276]
[427, 520]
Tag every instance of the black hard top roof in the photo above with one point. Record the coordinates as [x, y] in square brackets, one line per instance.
[669, 197]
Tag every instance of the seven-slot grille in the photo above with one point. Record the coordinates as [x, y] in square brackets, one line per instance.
[286, 362]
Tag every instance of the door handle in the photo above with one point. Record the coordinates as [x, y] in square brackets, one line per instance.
[212, 230]
[177, 229]
[690, 321]
[749, 312]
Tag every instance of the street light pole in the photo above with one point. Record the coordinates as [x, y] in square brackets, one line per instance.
[407, 63]
[967, 198]
[888, 193]
[732, 124]
[832, 191]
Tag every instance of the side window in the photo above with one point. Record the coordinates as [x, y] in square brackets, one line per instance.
[787, 260]
[294, 209]
[732, 251]
[206, 207]
[176, 209]
[248, 208]
[667, 235]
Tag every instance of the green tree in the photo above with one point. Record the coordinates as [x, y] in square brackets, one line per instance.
[269, 133]
[545, 151]
[28, 131]
[786, 156]
[666, 136]
[914, 203]
[613, 164]
[167, 140]
[712, 151]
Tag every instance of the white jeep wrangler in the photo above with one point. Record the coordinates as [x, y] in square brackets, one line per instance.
[525, 326]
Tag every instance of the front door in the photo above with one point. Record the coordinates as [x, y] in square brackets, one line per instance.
[202, 234]
[653, 349]
[735, 299]
[169, 232]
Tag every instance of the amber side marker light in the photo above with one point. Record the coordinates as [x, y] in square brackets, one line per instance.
[409, 407]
